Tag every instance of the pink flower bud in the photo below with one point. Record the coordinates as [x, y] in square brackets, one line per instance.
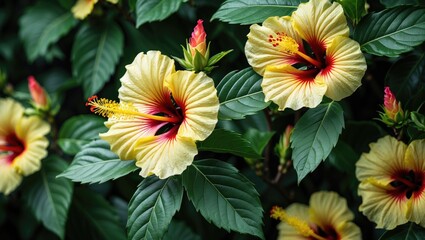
[198, 39]
[391, 106]
[38, 94]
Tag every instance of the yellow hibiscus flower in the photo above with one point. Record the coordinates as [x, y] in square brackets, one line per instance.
[306, 56]
[328, 217]
[83, 8]
[22, 144]
[392, 182]
[161, 114]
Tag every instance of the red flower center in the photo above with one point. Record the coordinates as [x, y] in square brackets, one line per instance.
[11, 148]
[407, 183]
[328, 232]
[172, 110]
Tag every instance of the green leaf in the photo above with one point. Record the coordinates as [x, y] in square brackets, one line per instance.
[226, 141]
[405, 77]
[97, 49]
[392, 31]
[343, 157]
[354, 9]
[394, 3]
[258, 139]
[49, 197]
[224, 196]
[240, 94]
[78, 131]
[408, 231]
[42, 25]
[155, 10]
[97, 164]
[178, 230]
[314, 136]
[153, 206]
[254, 11]
[92, 217]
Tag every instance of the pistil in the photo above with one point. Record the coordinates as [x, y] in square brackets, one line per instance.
[302, 227]
[111, 109]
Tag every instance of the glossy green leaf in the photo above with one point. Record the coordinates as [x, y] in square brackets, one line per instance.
[394, 3]
[253, 11]
[97, 164]
[405, 77]
[95, 53]
[354, 9]
[224, 196]
[178, 230]
[392, 31]
[258, 121]
[314, 136]
[226, 141]
[42, 25]
[153, 206]
[408, 231]
[49, 197]
[78, 131]
[258, 139]
[343, 157]
[155, 10]
[92, 217]
[240, 94]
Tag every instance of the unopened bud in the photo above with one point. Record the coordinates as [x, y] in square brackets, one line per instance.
[38, 94]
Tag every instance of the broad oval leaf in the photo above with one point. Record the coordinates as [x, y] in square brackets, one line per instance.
[155, 10]
[405, 77]
[42, 25]
[254, 11]
[408, 231]
[92, 217]
[49, 197]
[226, 141]
[392, 31]
[97, 49]
[240, 94]
[224, 196]
[394, 3]
[97, 164]
[78, 131]
[314, 136]
[153, 206]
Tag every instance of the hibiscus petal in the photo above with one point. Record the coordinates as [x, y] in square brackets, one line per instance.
[197, 97]
[83, 8]
[289, 87]
[31, 131]
[385, 157]
[11, 113]
[9, 179]
[123, 135]
[386, 211]
[319, 22]
[260, 53]
[415, 158]
[164, 155]
[143, 82]
[329, 209]
[346, 66]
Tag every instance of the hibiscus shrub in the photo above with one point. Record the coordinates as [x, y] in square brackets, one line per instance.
[227, 119]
